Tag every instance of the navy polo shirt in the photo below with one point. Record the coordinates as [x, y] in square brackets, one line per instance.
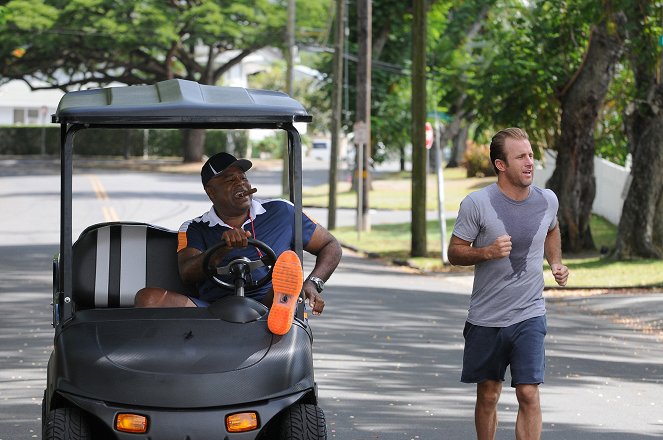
[270, 221]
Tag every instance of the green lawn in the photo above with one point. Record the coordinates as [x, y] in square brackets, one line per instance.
[392, 191]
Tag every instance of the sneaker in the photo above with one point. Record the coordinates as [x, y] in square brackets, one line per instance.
[287, 280]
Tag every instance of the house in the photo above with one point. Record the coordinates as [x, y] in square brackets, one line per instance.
[20, 105]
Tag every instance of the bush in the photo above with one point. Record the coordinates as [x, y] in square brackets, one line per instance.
[477, 160]
[16, 140]
[30, 140]
[271, 146]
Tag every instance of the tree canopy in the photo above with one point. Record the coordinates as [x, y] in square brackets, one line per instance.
[71, 43]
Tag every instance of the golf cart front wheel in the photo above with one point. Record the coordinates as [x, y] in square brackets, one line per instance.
[66, 424]
[303, 422]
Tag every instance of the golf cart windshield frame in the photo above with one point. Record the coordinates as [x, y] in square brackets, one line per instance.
[169, 105]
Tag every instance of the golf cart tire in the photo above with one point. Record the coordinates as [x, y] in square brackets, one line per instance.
[303, 422]
[66, 424]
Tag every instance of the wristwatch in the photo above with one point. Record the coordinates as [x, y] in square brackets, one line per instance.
[318, 283]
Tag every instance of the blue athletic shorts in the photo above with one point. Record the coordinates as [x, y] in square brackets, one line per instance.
[489, 350]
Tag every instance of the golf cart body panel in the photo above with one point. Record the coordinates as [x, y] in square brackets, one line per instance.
[166, 351]
[185, 369]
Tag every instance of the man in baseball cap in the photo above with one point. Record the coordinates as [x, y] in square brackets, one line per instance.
[235, 216]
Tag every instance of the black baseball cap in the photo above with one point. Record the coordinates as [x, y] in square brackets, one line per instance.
[218, 163]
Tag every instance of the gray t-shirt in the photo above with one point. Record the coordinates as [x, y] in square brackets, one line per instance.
[507, 290]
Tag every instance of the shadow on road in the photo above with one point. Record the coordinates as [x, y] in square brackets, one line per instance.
[26, 337]
[388, 352]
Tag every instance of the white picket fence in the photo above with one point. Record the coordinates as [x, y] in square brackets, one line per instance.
[611, 184]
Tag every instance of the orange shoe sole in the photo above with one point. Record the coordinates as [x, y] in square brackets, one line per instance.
[287, 280]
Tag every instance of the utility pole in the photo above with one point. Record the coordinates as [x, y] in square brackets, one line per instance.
[441, 216]
[290, 43]
[337, 105]
[289, 85]
[419, 152]
[363, 119]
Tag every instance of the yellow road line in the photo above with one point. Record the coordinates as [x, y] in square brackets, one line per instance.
[109, 213]
[97, 187]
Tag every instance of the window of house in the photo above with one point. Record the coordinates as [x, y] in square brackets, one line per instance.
[19, 116]
[26, 116]
[33, 116]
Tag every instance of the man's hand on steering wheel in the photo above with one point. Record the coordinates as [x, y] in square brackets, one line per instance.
[234, 238]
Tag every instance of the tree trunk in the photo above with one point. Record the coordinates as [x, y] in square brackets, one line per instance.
[639, 234]
[193, 144]
[460, 115]
[573, 179]
[458, 146]
[658, 225]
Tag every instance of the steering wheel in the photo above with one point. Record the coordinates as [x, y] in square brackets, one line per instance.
[240, 268]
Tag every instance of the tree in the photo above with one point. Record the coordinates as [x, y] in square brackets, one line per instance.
[72, 43]
[84, 41]
[307, 89]
[456, 29]
[521, 62]
[573, 179]
[546, 66]
[640, 231]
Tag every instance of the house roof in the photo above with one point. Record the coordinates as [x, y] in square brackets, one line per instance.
[18, 94]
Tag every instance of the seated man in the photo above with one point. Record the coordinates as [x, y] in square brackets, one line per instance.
[235, 216]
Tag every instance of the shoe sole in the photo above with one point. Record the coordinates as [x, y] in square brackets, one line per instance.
[287, 280]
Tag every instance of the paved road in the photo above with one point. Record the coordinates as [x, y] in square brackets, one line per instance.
[387, 349]
[397, 378]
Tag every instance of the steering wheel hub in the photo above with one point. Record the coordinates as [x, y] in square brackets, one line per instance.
[240, 268]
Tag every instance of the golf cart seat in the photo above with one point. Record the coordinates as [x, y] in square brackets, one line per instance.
[113, 261]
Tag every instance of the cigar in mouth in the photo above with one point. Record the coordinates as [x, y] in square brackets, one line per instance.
[248, 192]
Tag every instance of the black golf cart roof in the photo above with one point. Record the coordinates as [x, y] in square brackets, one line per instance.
[178, 102]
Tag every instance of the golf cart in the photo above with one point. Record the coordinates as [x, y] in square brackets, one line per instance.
[119, 372]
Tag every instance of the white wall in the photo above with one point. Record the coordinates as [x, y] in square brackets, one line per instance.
[6, 115]
[611, 180]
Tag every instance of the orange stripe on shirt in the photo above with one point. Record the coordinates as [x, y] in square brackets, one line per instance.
[181, 240]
